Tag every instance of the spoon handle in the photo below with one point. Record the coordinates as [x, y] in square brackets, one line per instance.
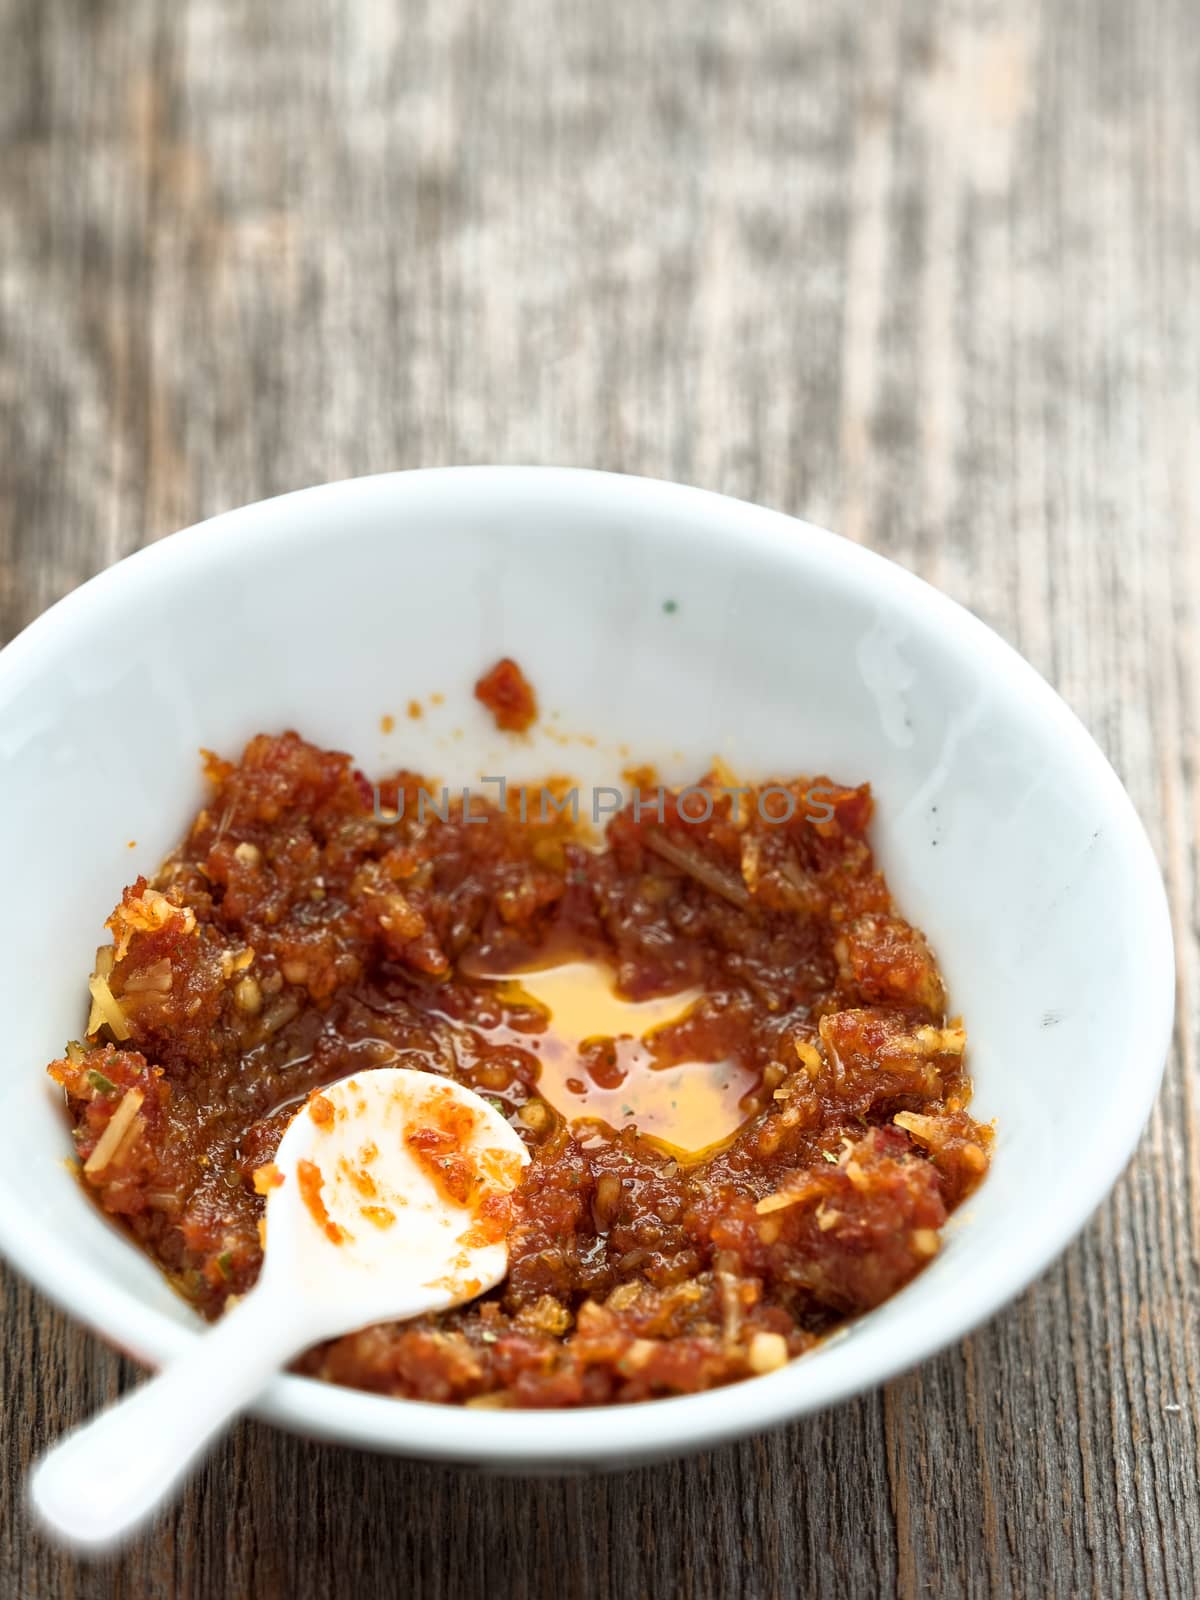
[102, 1480]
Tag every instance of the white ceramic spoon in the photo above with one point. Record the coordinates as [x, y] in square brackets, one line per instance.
[361, 1228]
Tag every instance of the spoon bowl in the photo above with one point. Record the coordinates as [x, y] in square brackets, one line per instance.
[388, 1198]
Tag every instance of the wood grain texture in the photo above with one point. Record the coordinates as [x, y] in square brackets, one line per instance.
[924, 272]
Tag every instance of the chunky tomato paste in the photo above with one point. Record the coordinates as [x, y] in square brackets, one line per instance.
[508, 695]
[765, 1142]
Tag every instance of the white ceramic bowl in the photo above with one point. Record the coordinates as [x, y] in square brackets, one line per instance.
[664, 619]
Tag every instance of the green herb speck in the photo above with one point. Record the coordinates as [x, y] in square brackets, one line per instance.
[225, 1262]
[670, 607]
[99, 1082]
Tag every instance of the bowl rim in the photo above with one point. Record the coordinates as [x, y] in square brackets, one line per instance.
[568, 1439]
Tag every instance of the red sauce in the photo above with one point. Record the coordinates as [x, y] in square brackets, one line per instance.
[438, 1149]
[266, 1178]
[321, 1110]
[312, 1182]
[361, 1179]
[381, 1216]
[492, 1223]
[508, 695]
[296, 937]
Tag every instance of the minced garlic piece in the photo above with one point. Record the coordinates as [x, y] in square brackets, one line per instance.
[118, 1126]
[624, 1295]
[146, 913]
[233, 962]
[247, 996]
[926, 1130]
[767, 1353]
[751, 851]
[638, 1354]
[154, 979]
[810, 1057]
[780, 1200]
[105, 1009]
[535, 1114]
[929, 1041]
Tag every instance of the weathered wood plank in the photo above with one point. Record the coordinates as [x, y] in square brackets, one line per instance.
[926, 273]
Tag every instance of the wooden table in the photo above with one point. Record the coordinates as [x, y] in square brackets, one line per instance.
[926, 273]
